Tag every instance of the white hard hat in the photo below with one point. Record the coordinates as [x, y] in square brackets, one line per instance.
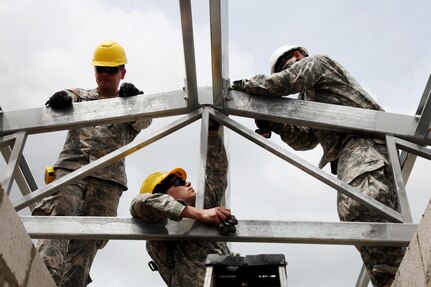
[279, 52]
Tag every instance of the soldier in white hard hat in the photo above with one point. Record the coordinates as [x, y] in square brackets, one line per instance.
[98, 194]
[358, 160]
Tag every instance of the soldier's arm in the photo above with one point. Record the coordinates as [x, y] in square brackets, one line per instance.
[303, 75]
[297, 137]
[212, 215]
[154, 207]
[216, 168]
[141, 124]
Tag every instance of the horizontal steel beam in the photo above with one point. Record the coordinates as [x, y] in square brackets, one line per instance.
[413, 148]
[338, 233]
[92, 113]
[305, 166]
[106, 160]
[317, 115]
[324, 116]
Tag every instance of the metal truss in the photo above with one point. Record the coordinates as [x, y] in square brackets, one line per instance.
[344, 233]
[402, 132]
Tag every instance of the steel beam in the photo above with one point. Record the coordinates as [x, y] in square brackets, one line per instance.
[203, 158]
[92, 113]
[363, 277]
[7, 140]
[312, 170]
[106, 160]
[317, 115]
[13, 163]
[324, 116]
[423, 111]
[219, 50]
[405, 162]
[189, 52]
[23, 176]
[413, 148]
[337, 233]
[400, 186]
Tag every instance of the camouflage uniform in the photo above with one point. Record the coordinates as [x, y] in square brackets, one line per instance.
[188, 257]
[96, 195]
[362, 162]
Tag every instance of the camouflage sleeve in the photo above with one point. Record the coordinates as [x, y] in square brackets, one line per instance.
[297, 137]
[300, 76]
[217, 168]
[153, 207]
[79, 95]
[141, 124]
[76, 97]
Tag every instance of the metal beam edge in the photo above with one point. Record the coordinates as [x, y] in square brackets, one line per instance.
[307, 232]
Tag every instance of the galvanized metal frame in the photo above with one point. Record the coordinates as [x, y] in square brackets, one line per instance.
[402, 165]
[398, 179]
[23, 176]
[307, 167]
[202, 171]
[423, 112]
[219, 49]
[308, 232]
[106, 160]
[325, 116]
[108, 111]
[189, 52]
[405, 132]
[14, 159]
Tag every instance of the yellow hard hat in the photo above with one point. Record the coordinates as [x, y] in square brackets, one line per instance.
[109, 54]
[156, 178]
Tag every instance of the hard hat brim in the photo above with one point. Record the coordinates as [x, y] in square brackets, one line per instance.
[178, 172]
[157, 178]
[107, 64]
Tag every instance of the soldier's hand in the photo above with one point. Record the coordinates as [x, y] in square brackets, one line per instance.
[228, 226]
[214, 215]
[237, 85]
[128, 90]
[264, 128]
[59, 100]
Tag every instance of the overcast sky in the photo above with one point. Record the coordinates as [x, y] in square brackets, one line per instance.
[47, 46]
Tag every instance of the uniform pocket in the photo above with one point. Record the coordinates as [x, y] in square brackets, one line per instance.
[359, 156]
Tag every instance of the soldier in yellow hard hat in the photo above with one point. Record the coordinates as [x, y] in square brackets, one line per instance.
[168, 195]
[97, 194]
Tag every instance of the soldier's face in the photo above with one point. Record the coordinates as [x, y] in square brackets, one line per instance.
[109, 80]
[287, 62]
[184, 192]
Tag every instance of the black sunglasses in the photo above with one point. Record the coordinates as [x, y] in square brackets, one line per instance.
[108, 70]
[166, 184]
[178, 182]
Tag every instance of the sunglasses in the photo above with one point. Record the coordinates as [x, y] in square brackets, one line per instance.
[166, 184]
[178, 182]
[108, 70]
